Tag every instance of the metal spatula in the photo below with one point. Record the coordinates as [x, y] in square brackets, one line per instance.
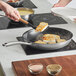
[32, 35]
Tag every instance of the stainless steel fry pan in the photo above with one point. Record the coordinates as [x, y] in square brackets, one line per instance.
[63, 33]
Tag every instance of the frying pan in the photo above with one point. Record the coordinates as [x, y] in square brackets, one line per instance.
[63, 33]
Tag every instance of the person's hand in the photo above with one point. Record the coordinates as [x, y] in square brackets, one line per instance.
[62, 3]
[11, 12]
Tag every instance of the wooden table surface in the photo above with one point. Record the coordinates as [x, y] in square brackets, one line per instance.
[68, 64]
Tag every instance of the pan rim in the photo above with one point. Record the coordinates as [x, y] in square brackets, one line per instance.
[55, 43]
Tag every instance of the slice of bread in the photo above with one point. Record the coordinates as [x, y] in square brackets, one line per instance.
[40, 42]
[51, 42]
[48, 38]
[41, 27]
[57, 37]
[60, 40]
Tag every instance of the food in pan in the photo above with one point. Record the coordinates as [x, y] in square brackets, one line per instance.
[40, 42]
[57, 36]
[51, 42]
[60, 40]
[50, 39]
[47, 38]
[42, 26]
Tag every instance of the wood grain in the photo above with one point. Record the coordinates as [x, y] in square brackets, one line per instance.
[24, 21]
[68, 64]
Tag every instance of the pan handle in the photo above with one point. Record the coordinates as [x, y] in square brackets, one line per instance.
[15, 43]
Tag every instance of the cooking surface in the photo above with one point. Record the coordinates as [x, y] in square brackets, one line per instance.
[29, 4]
[32, 51]
[24, 3]
[67, 63]
[46, 17]
[35, 19]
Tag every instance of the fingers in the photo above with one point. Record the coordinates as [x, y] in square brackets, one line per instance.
[10, 11]
[14, 15]
[17, 13]
[57, 5]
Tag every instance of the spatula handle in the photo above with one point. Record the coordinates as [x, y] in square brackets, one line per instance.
[24, 21]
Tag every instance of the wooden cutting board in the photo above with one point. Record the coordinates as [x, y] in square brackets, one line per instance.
[68, 64]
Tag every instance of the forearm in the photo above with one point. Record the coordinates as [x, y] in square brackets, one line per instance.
[62, 3]
[4, 6]
[1, 4]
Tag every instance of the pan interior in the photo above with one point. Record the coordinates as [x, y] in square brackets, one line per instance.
[63, 33]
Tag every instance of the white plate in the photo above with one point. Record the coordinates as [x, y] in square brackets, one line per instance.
[65, 11]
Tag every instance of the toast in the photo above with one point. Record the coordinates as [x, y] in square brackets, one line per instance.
[48, 38]
[60, 40]
[41, 27]
[40, 42]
